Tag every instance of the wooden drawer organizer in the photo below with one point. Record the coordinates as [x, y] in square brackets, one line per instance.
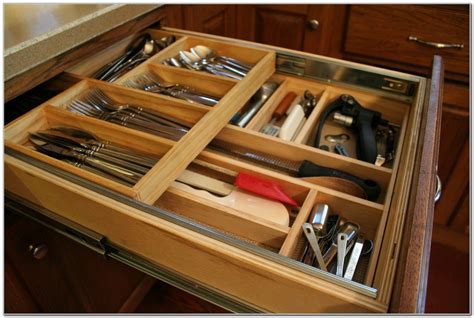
[380, 221]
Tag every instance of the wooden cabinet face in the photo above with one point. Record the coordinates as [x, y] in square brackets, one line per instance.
[451, 215]
[381, 33]
[67, 278]
[283, 26]
[45, 278]
[309, 28]
[211, 19]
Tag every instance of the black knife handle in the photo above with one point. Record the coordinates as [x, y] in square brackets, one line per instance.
[309, 169]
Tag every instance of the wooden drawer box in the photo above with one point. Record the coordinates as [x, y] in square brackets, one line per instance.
[252, 260]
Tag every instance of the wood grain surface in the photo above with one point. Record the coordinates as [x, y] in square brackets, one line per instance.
[413, 266]
[380, 32]
[70, 278]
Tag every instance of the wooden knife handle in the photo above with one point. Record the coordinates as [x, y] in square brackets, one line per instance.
[284, 105]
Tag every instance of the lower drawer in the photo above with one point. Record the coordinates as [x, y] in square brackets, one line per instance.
[251, 259]
[243, 275]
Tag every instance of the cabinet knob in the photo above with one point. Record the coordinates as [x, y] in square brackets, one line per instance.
[38, 251]
[313, 24]
[439, 189]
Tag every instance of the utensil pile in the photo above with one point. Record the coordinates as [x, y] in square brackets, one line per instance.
[331, 235]
[84, 150]
[95, 103]
[139, 51]
[151, 83]
[202, 58]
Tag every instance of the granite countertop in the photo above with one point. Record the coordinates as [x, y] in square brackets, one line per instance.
[35, 33]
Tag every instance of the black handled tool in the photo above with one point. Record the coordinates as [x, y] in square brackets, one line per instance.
[350, 113]
[303, 168]
[310, 169]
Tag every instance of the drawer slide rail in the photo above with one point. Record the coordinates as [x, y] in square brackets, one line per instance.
[343, 74]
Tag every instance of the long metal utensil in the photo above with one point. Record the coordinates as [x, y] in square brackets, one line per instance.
[303, 168]
[354, 259]
[341, 252]
[313, 241]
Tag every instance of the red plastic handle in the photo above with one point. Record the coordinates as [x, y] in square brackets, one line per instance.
[263, 187]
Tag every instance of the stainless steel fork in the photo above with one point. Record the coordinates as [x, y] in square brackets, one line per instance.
[151, 83]
[96, 104]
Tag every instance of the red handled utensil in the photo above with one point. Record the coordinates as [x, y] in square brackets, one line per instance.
[265, 188]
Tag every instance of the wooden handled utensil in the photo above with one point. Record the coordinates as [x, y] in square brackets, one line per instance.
[270, 128]
[255, 206]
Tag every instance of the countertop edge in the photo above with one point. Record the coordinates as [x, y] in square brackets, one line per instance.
[25, 57]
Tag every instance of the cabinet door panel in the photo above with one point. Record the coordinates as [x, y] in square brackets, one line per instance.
[290, 26]
[17, 298]
[381, 32]
[452, 210]
[69, 278]
[453, 164]
[212, 19]
[45, 278]
[280, 28]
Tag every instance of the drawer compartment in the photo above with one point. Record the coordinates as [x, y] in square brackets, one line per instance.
[90, 65]
[17, 138]
[213, 86]
[248, 256]
[245, 55]
[395, 112]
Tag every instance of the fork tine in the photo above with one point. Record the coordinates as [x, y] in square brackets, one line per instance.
[105, 97]
[130, 83]
[96, 95]
[78, 109]
[88, 104]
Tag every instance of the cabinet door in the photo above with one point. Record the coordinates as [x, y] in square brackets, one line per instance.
[43, 274]
[452, 211]
[212, 19]
[62, 276]
[309, 28]
[386, 35]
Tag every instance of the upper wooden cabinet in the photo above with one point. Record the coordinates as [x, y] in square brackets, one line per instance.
[308, 28]
[407, 36]
[212, 19]
[372, 34]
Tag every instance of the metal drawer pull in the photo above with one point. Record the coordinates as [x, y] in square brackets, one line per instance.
[437, 45]
[38, 251]
[439, 187]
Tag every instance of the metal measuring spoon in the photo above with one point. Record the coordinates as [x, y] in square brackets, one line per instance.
[361, 247]
[351, 230]
[341, 138]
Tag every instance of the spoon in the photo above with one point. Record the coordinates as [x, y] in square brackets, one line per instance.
[149, 48]
[205, 52]
[256, 102]
[137, 46]
[201, 51]
[165, 41]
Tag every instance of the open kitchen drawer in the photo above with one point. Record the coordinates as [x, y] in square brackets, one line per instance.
[241, 261]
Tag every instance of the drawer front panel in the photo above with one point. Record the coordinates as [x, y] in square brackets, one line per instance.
[414, 262]
[251, 279]
[381, 33]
